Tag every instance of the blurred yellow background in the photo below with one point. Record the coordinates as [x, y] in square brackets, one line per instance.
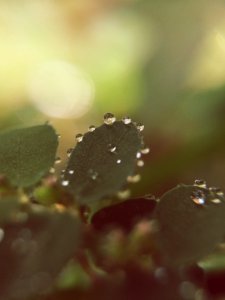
[160, 62]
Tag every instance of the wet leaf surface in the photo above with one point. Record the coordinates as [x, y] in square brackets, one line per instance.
[191, 221]
[102, 160]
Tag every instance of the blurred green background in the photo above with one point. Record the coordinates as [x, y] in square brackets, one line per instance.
[160, 62]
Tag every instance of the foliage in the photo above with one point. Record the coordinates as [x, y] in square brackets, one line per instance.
[76, 237]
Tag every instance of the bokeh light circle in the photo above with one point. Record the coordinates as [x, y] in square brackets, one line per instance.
[61, 90]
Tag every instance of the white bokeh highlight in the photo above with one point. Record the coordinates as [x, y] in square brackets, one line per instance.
[61, 90]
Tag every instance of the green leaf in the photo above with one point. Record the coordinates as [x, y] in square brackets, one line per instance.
[27, 154]
[33, 252]
[102, 161]
[191, 223]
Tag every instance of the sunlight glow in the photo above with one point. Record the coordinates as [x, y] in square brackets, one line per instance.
[61, 90]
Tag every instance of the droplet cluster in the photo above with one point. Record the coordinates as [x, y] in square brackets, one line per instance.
[202, 196]
[112, 148]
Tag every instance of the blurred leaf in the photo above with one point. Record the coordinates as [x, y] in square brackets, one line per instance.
[33, 252]
[190, 223]
[8, 205]
[27, 154]
[102, 161]
[73, 275]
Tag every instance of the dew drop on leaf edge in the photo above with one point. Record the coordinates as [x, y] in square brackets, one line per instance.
[140, 163]
[123, 194]
[69, 152]
[217, 191]
[145, 150]
[134, 178]
[91, 128]
[126, 120]
[140, 126]
[138, 155]
[200, 183]
[198, 197]
[109, 119]
[58, 160]
[79, 137]
[216, 200]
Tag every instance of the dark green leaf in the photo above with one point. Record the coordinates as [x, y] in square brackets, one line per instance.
[190, 226]
[33, 252]
[27, 154]
[102, 161]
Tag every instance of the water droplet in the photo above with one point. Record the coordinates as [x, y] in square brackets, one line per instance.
[134, 178]
[140, 163]
[217, 191]
[220, 193]
[140, 126]
[79, 137]
[62, 173]
[145, 150]
[52, 170]
[91, 128]
[58, 160]
[71, 172]
[109, 119]
[118, 161]
[111, 148]
[93, 174]
[150, 197]
[138, 155]
[59, 136]
[216, 200]
[123, 194]
[69, 152]
[65, 182]
[2, 234]
[126, 120]
[200, 183]
[198, 197]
